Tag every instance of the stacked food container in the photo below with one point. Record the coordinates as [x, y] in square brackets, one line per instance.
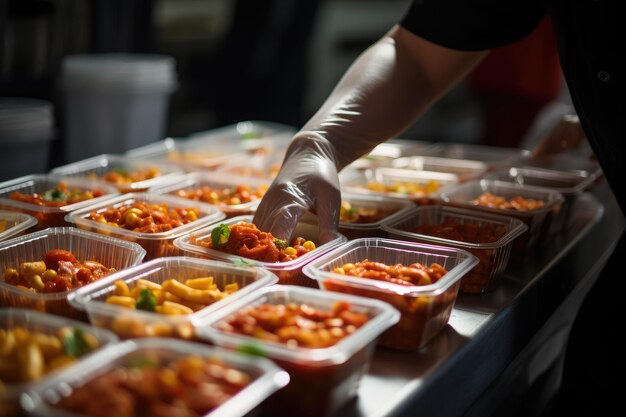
[176, 301]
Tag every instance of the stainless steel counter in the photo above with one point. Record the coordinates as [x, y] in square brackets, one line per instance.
[499, 343]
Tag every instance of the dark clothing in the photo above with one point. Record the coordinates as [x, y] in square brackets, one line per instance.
[592, 44]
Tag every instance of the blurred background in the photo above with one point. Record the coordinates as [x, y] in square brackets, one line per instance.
[235, 60]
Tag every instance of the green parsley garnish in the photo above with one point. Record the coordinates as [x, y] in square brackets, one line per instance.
[243, 262]
[251, 349]
[146, 300]
[220, 235]
[54, 194]
[75, 344]
[280, 243]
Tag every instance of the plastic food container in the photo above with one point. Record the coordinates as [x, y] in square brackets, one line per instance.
[370, 212]
[47, 324]
[323, 379]
[40, 183]
[111, 252]
[210, 149]
[493, 255]
[492, 156]
[128, 323]
[14, 224]
[584, 167]
[422, 187]
[538, 220]
[424, 309]
[571, 185]
[385, 153]
[216, 181]
[288, 272]
[96, 167]
[265, 377]
[156, 244]
[463, 169]
[259, 165]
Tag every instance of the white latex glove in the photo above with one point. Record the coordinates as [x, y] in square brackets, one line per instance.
[381, 94]
[307, 181]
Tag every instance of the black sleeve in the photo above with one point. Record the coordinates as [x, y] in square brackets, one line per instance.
[473, 25]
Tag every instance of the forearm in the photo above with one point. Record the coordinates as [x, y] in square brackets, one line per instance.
[383, 92]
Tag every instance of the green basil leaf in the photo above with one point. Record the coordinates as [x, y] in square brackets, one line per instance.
[75, 344]
[220, 235]
[251, 349]
[146, 300]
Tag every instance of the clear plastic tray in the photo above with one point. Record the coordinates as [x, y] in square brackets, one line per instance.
[322, 380]
[356, 181]
[571, 185]
[40, 183]
[389, 207]
[492, 156]
[111, 252]
[156, 244]
[212, 148]
[266, 379]
[288, 272]
[216, 180]
[566, 164]
[261, 165]
[539, 220]
[385, 153]
[424, 310]
[128, 323]
[463, 169]
[47, 324]
[14, 224]
[493, 256]
[96, 167]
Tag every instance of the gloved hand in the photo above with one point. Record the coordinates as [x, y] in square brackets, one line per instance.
[307, 180]
[381, 94]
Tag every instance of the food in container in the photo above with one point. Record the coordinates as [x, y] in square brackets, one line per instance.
[246, 240]
[57, 271]
[421, 187]
[159, 376]
[164, 297]
[569, 184]
[14, 224]
[113, 253]
[362, 215]
[34, 346]
[128, 175]
[537, 207]
[421, 281]
[151, 220]
[262, 249]
[487, 236]
[235, 196]
[49, 198]
[326, 343]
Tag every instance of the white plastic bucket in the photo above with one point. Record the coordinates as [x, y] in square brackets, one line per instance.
[114, 102]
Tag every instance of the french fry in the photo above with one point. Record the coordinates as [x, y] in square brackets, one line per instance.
[204, 283]
[190, 294]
